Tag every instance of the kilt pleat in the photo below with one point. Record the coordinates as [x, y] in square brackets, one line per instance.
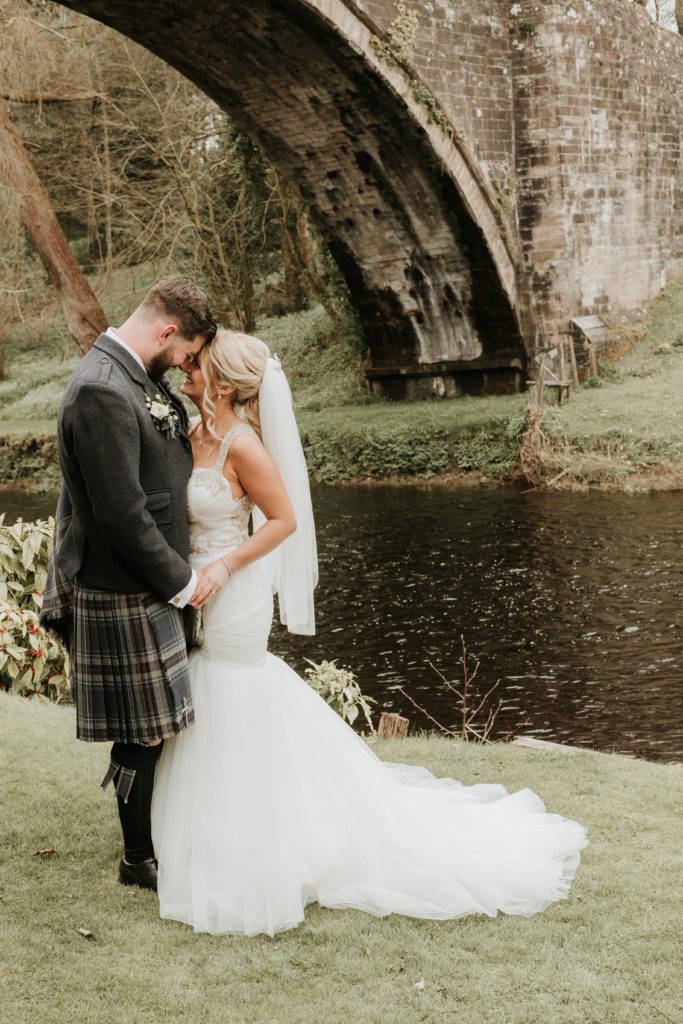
[129, 667]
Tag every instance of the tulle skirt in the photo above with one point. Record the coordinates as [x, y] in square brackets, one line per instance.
[270, 802]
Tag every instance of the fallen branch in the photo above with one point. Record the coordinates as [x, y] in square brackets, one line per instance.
[47, 97]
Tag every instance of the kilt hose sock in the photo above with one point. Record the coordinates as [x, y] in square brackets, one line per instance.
[137, 764]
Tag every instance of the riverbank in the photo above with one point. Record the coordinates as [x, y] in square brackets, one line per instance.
[621, 430]
[607, 954]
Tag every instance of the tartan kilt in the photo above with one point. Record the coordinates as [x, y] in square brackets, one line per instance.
[129, 669]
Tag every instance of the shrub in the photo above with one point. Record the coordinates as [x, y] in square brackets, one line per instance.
[340, 689]
[340, 447]
[31, 659]
[24, 553]
[31, 459]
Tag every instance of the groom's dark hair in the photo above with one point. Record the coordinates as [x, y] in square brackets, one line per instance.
[184, 303]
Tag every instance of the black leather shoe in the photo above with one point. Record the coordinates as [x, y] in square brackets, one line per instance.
[144, 875]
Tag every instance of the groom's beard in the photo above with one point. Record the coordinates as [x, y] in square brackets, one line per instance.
[158, 365]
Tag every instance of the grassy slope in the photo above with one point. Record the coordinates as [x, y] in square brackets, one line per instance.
[609, 954]
[633, 418]
[614, 431]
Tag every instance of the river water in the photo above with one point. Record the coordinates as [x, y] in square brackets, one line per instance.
[573, 602]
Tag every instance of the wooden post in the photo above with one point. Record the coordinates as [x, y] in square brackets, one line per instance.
[563, 369]
[392, 727]
[572, 357]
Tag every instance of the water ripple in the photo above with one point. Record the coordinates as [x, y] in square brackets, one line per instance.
[571, 601]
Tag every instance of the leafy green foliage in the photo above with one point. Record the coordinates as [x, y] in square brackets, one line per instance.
[29, 460]
[31, 659]
[320, 356]
[340, 689]
[346, 446]
[24, 553]
[397, 48]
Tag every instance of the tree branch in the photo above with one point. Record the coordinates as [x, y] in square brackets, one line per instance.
[47, 97]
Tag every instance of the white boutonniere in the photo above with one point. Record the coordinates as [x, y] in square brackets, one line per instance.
[165, 417]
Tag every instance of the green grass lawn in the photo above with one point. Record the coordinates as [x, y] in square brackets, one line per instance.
[610, 954]
[623, 429]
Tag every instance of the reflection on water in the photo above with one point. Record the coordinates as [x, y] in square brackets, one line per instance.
[572, 601]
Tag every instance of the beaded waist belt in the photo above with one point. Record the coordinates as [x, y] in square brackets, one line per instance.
[203, 547]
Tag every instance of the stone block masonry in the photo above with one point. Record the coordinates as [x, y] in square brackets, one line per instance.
[483, 173]
[598, 91]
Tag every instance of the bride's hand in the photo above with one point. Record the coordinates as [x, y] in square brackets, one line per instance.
[215, 575]
[201, 591]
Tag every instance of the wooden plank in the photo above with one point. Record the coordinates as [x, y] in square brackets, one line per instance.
[448, 366]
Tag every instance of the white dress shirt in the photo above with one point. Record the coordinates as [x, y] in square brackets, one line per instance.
[181, 599]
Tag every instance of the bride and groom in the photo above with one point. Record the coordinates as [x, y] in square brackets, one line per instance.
[242, 796]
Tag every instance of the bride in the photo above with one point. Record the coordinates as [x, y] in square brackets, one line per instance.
[270, 801]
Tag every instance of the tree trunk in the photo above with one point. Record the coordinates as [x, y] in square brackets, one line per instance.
[295, 260]
[679, 16]
[82, 312]
[296, 252]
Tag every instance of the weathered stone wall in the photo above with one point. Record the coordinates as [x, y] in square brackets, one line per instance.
[462, 52]
[598, 118]
[574, 111]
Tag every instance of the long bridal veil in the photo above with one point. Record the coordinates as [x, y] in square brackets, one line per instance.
[294, 564]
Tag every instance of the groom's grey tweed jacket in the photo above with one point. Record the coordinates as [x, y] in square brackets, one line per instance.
[122, 516]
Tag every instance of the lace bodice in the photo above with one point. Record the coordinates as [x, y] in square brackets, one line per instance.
[218, 522]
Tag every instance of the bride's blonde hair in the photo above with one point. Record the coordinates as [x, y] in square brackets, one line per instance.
[235, 360]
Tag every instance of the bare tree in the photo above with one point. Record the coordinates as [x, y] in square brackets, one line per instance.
[82, 312]
[143, 170]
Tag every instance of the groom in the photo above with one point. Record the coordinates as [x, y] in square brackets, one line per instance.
[119, 574]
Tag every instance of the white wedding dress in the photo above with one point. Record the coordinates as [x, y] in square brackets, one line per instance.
[270, 801]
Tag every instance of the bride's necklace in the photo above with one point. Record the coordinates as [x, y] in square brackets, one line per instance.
[202, 439]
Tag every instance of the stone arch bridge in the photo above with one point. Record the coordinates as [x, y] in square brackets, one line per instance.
[483, 173]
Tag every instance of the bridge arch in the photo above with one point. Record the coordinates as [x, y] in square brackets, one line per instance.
[408, 216]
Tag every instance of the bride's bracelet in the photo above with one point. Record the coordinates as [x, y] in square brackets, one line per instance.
[226, 566]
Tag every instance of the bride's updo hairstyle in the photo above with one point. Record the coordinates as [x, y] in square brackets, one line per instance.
[237, 361]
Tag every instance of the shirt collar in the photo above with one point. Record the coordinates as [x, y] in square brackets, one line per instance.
[111, 333]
